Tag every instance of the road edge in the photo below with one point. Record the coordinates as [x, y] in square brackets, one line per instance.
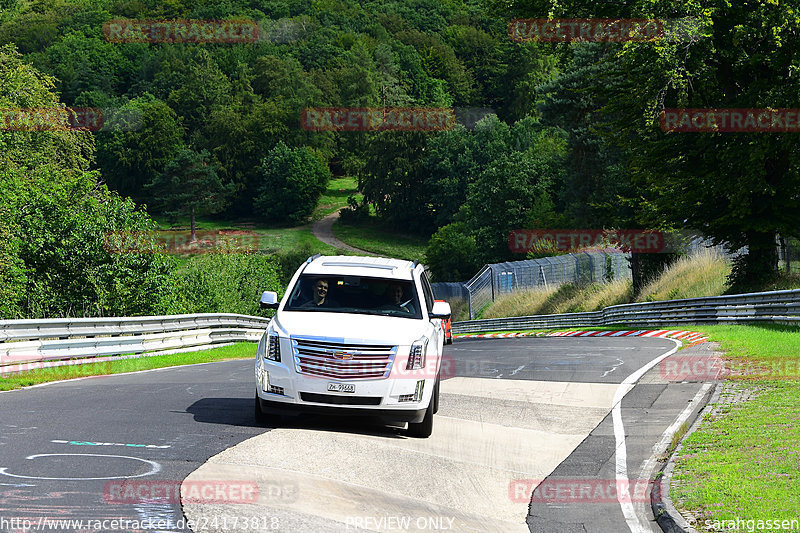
[664, 511]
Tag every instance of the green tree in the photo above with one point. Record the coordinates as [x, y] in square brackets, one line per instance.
[85, 64]
[202, 87]
[189, 186]
[55, 219]
[737, 188]
[12, 267]
[448, 167]
[132, 157]
[452, 253]
[293, 179]
[393, 180]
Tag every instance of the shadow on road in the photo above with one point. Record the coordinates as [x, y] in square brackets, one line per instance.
[239, 412]
[228, 411]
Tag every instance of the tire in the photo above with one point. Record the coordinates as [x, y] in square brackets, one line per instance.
[422, 430]
[263, 418]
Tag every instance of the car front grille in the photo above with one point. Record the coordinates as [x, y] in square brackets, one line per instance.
[322, 358]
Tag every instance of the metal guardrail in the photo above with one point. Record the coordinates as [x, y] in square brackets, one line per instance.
[781, 307]
[35, 341]
[60, 339]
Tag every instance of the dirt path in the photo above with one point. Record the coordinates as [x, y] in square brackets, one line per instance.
[323, 230]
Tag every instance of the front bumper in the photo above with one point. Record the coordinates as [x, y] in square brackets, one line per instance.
[403, 398]
[414, 416]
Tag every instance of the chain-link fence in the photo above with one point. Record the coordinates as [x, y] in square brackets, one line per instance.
[501, 278]
[789, 255]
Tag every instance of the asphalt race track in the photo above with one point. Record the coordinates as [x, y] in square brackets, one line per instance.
[513, 413]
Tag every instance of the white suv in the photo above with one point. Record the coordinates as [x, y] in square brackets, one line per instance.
[353, 336]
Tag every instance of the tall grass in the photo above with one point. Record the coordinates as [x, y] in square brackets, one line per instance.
[459, 309]
[521, 303]
[694, 276]
[567, 298]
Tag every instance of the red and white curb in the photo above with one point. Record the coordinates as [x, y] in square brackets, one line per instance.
[691, 337]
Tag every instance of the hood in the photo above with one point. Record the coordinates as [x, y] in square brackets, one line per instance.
[352, 328]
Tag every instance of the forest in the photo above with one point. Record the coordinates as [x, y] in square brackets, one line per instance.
[571, 136]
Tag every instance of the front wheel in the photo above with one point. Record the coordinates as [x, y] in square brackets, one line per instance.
[422, 430]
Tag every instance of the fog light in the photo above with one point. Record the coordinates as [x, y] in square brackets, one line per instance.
[418, 391]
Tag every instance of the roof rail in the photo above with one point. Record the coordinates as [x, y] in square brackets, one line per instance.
[357, 265]
[311, 258]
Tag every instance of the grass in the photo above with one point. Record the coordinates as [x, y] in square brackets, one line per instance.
[785, 282]
[459, 309]
[184, 223]
[242, 350]
[335, 196]
[367, 236]
[744, 461]
[270, 238]
[702, 274]
[520, 303]
[289, 239]
[566, 298]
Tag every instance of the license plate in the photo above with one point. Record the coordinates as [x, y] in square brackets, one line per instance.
[341, 387]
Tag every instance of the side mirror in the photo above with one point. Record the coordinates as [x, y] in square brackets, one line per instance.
[441, 310]
[269, 300]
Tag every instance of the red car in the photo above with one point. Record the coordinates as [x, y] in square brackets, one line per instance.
[448, 329]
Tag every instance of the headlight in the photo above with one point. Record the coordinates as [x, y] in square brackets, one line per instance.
[416, 356]
[273, 351]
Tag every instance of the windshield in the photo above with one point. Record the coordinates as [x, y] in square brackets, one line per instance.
[355, 294]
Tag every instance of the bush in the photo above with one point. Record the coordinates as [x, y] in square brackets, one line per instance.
[451, 253]
[222, 283]
[293, 179]
[288, 261]
[59, 223]
[355, 212]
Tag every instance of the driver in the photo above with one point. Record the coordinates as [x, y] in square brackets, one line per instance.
[397, 297]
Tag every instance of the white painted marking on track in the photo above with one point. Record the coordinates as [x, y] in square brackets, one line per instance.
[513, 372]
[154, 467]
[619, 363]
[621, 455]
